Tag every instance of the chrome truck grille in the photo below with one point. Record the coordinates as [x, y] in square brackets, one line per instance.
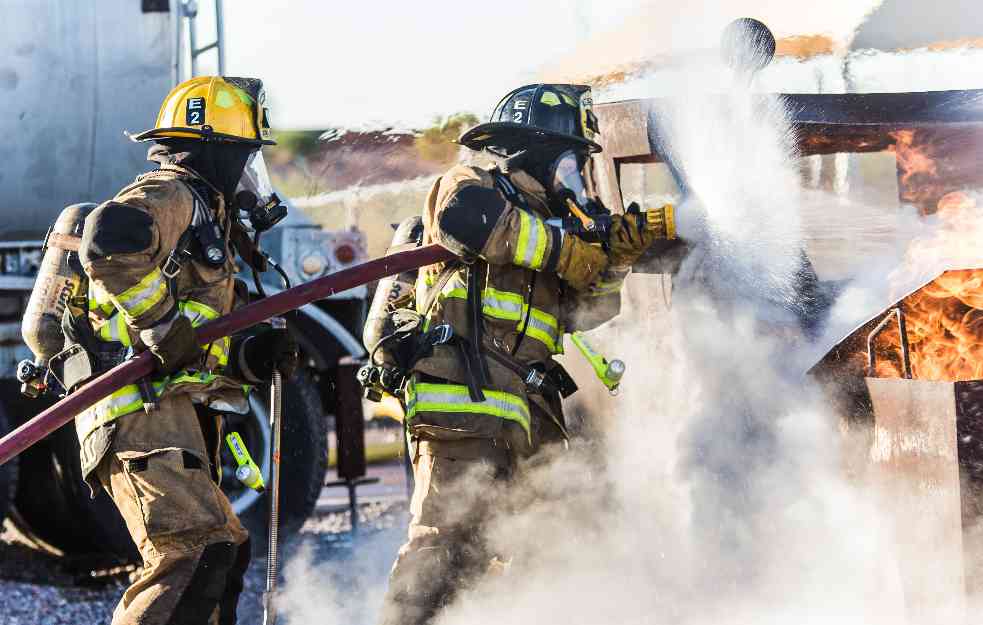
[19, 262]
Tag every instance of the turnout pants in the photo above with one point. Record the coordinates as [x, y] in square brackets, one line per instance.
[455, 492]
[195, 552]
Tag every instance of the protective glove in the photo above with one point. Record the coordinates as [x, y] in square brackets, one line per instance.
[579, 262]
[173, 344]
[633, 233]
[263, 352]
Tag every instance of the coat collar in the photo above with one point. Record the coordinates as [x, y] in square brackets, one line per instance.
[531, 189]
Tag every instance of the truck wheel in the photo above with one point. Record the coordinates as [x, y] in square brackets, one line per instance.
[8, 472]
[54, 507]
[304, 458]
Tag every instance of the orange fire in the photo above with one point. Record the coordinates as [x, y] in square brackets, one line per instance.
[944, 329]
[911, 160]
[918, 170]
[945, 317]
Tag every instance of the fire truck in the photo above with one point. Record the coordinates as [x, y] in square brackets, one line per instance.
[75, 76]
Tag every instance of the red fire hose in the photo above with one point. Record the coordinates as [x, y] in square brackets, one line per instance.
[238, 320]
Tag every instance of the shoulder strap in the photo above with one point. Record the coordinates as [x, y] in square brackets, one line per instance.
[508, 189]
[442, 279]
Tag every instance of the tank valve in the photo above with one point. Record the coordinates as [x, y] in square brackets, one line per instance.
[32, 378]
[247, 473]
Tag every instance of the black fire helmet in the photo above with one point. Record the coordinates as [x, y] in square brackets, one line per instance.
[536, 116]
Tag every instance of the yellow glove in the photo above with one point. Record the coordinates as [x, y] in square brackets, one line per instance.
[579, 262]
[633, 233]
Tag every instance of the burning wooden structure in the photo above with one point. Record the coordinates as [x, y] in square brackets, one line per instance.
[910, 377]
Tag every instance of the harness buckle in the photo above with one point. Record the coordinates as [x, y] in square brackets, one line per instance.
[535, 379]
[173, 264]
[442, 334]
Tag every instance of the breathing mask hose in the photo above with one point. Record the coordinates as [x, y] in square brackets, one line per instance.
[256, 280]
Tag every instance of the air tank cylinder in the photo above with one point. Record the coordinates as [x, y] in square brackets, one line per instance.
[57, 279]
[394, 291]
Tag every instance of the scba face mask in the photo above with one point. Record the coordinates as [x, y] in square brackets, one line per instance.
[256, 197]
[572, 184]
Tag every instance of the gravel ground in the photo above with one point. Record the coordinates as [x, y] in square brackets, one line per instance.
[36, 589]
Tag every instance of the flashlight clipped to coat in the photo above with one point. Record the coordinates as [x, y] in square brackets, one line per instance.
[249, 473]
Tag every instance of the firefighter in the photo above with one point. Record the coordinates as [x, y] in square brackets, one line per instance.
[158, 262]
[486, 401]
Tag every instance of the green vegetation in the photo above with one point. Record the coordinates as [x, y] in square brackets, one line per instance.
[297, 142]
[438, 143]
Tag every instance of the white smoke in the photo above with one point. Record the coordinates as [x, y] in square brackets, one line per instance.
[719, 492]
[340, 583]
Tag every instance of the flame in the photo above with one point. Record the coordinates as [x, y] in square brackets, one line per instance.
[918, 171]
[944, 318]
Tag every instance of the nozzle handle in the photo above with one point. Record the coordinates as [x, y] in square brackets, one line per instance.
[608, 372]
[248, 472]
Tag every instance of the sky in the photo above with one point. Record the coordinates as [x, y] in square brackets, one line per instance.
[328, 63]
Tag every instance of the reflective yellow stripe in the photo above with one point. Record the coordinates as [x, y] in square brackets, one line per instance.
[531, 246]
[198, 314]
[544, 327]
[127, 399]
[220, 350]
[144, 295]
[501, 304]
[523, 242]
[454, 398]
[508, 306]
[197, 377]
[100, 301]
[115, 330]
[121, 402]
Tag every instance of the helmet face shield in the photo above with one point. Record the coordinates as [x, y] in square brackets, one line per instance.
[256, 178]
[255, 195]
[571, 178]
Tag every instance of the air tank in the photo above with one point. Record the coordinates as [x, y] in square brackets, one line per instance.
[57, 279]
[394, 291]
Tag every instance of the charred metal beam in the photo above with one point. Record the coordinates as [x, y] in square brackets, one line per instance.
[825, 123]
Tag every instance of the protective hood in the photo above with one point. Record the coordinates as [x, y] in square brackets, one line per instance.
[220, 164]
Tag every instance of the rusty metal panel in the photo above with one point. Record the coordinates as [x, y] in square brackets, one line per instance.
[624, 133]
[916, 465]
[606, 178]
[624, 128]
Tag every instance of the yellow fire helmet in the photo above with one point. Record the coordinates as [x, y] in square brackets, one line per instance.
[214, 108]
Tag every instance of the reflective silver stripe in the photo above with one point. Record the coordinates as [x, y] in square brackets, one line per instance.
[144, 295]
[430, 397]
[454, 402]
[118, 329]
[543, 331]
[534, 233]
[122, 402]
[506, 305]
